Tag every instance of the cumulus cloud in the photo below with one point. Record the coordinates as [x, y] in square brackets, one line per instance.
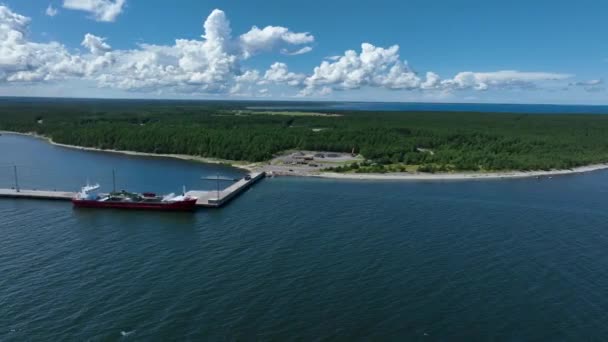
[373, 66]
[500, 79]
[51, 11]
[325, 91]
[383, 67]
[215, 63]
[102, 10]
[249, 76]
[96, 45]
[279, 74]
[244, 83]
[432, 81]
[270, 37]
[24, 61]
[200, 66]
[211, 65]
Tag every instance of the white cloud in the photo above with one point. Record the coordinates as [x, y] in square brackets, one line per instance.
[374, 67]
[383, 68]
[211, 65]
[588, 83]
[249, 76]
[432, 81]
[96, 45]
[301, 51]
[25, 61]
[217, 29]
[200, 66]
[245, 82]
[279, 74]
[102, 10]
[215, 64]
[51, 11]
[500, 79]
[325, 91]
[270, 37]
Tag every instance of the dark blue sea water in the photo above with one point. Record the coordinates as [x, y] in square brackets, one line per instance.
[44, 166]
[303, 259]
[441, 107]
[324, 106]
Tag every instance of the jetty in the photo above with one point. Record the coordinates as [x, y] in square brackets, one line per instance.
[206, 199]
[216, 199]
[37, 194]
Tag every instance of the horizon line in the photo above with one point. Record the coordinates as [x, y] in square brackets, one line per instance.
[297, 101]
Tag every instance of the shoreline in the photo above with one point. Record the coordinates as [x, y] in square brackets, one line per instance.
[462, 175]
[231, 163]
[252, 167]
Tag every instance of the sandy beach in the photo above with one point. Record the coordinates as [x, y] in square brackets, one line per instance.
[462, 175]
[354, 176]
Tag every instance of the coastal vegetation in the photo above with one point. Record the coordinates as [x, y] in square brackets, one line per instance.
[389, 141]
[284, 112]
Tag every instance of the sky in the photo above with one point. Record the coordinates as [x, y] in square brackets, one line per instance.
[486, 51]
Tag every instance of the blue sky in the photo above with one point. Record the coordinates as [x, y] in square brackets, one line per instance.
[433, 51]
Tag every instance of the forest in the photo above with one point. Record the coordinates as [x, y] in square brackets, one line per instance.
[389, 141]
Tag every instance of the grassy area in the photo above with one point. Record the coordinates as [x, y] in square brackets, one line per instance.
[284, 113]
[368, 167]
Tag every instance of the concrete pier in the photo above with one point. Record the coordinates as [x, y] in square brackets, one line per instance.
[37, 194]
[206, 199]
[209, 199]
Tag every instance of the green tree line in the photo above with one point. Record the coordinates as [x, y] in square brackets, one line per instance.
[434, 141]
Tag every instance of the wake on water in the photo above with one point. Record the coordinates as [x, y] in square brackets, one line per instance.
[127, 333]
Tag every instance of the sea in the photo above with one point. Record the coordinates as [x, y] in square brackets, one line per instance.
[299, 259]
[327, 105]
[432, 107]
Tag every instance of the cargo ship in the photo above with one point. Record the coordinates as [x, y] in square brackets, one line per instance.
[88, 198]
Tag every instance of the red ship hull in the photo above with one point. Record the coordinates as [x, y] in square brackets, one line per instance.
[186, 205]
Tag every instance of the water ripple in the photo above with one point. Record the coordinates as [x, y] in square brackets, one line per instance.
[316, 260]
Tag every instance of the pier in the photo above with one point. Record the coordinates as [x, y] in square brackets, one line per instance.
[216, 199]
[37, 194]
[206, 199]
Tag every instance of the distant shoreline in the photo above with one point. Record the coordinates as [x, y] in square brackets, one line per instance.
[463, 175]
[186, 157]
[350, 176]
